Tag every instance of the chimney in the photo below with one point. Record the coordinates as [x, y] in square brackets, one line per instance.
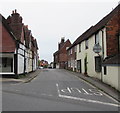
[62, 39]
[15, 11]
[12, 12]
[26, 26]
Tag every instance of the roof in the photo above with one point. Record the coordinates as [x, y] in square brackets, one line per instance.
[62, 46]
[94, 29]
[112, 60]
[80, 38]
[16, 29]
[27, 35]
[65, 44]
[3, 20]
[35, 41]
[56, 52]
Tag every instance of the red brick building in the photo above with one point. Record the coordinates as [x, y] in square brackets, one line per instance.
[60, 56]
[18, 47]
[8, 45]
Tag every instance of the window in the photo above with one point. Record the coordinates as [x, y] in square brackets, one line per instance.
[79, 47]
[97, 38]
[75, 48]
[98, 64]
[86, 44]
[79, 66]
[6, 64]
[105, 70]
[71, 51]
[67, 48]
[68, 52]
[68, 63]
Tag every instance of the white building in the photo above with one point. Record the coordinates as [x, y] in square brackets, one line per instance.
[106, 34]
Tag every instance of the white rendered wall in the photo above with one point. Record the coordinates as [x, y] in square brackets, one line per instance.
[91, 55]
[21, 59]
[112, 77]
[20, 64]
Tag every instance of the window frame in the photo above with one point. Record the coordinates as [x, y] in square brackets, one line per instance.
[97, 41]
[86, 44]
[105, 70]
[79, 47]
[98, 64]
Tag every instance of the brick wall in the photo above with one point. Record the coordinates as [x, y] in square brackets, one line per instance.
[112, 30]
[15, 22]
[63, 52]
[63, 57]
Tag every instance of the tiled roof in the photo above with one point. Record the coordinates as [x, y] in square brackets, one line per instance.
[3, 20]
[27, 36]
[80, 38]
[92, 30]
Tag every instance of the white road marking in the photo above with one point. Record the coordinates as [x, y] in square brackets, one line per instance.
[17, 90]
[86, 92]
[66, 90]
[58, 89]
[97, 88]
[46, 94]
[76, 89]
[87, 100]
[83, 99]
[15, 84]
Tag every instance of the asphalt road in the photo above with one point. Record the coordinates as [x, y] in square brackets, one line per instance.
[55, 90]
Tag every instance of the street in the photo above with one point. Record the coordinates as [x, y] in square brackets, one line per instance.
[55, 90]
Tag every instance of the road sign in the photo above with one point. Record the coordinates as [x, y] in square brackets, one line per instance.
[97, 48]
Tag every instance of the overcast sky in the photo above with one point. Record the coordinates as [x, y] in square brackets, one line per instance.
[49, 20]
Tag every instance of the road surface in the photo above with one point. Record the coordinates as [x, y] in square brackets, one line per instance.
[55, 90]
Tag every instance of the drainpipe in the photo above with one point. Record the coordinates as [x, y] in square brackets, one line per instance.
[102, 56]
[24, 62]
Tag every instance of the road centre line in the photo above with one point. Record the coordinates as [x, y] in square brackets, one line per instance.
[83, 99]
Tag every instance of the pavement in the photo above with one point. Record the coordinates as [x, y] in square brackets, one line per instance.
[93, 81]
[25, 79]
[112, 92]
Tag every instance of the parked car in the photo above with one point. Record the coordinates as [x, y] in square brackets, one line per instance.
[40, 67]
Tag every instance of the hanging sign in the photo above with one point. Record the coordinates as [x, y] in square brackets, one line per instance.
[97, 48]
